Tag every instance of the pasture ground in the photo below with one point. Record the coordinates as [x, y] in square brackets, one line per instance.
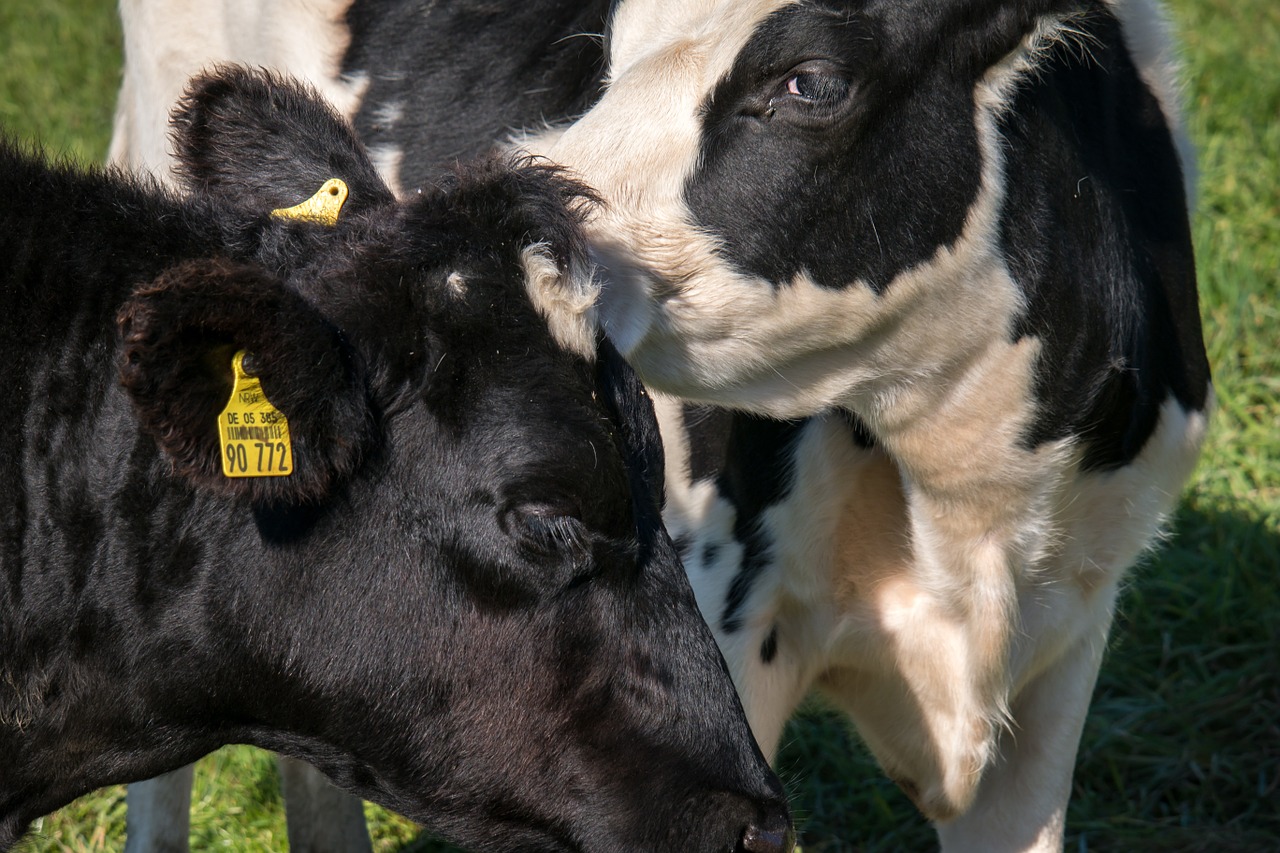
[1182, 748]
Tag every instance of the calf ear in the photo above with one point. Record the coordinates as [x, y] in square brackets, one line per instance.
[266, 142]
[179, 334]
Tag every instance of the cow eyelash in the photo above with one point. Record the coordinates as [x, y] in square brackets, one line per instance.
[815, 85]
[552, 528]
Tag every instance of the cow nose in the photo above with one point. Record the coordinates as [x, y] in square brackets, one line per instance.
[771, 835]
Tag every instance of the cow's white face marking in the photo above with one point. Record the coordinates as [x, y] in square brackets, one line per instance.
[638, 147]
[457, 284]
[701, 329]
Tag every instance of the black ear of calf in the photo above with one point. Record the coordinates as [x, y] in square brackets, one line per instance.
[264, 141]
[179, 334]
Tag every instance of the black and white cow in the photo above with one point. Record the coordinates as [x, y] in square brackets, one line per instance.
[460, 600]
[936, 256]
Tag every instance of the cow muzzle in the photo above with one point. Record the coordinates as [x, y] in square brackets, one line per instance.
[772, 834]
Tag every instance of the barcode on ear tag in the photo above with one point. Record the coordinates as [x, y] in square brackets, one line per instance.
[254, 433]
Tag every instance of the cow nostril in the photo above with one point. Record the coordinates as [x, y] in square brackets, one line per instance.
[772, 835]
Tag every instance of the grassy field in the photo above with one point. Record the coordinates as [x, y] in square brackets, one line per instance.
[1182, 749]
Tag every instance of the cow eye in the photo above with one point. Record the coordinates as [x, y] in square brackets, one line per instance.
[813, 87]
[550, 529]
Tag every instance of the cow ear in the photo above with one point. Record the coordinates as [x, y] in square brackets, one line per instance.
[179, 336]
[969, 36]
[984, 32]
[266, 142]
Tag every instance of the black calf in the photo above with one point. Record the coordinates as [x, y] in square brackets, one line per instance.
[460, 603]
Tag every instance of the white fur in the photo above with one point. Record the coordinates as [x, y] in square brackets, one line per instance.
[166, 42]
[565, 299]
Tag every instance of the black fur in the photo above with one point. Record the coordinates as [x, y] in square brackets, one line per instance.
[462, 606]
[756, 475]
[293, 134]
[1096, 231]
[464, 75]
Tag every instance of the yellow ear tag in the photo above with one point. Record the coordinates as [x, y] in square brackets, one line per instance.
[323, 207]
[254, 433]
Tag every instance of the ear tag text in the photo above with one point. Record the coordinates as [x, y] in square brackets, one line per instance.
[254, 434]
[323, 207]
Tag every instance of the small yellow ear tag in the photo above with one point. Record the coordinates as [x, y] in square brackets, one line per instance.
[254, 433]
[323, 207]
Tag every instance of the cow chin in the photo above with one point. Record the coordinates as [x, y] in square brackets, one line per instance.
[609, 808]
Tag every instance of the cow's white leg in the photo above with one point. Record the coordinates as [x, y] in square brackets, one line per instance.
[158, 819]
[1106, 520]
[321, 818]
[1022, 801]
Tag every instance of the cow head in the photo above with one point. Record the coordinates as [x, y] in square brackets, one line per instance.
[806, 203]
[462, 603]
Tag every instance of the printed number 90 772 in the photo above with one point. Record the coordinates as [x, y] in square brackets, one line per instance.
[270, 456]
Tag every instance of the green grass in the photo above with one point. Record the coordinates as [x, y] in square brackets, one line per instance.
[1182, 748]
[59, 71]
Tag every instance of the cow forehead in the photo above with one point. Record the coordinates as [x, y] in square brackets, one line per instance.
[700, 38]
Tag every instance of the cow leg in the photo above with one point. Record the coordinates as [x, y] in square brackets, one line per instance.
[1022, 801]
[158, 816]
[321, 818]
